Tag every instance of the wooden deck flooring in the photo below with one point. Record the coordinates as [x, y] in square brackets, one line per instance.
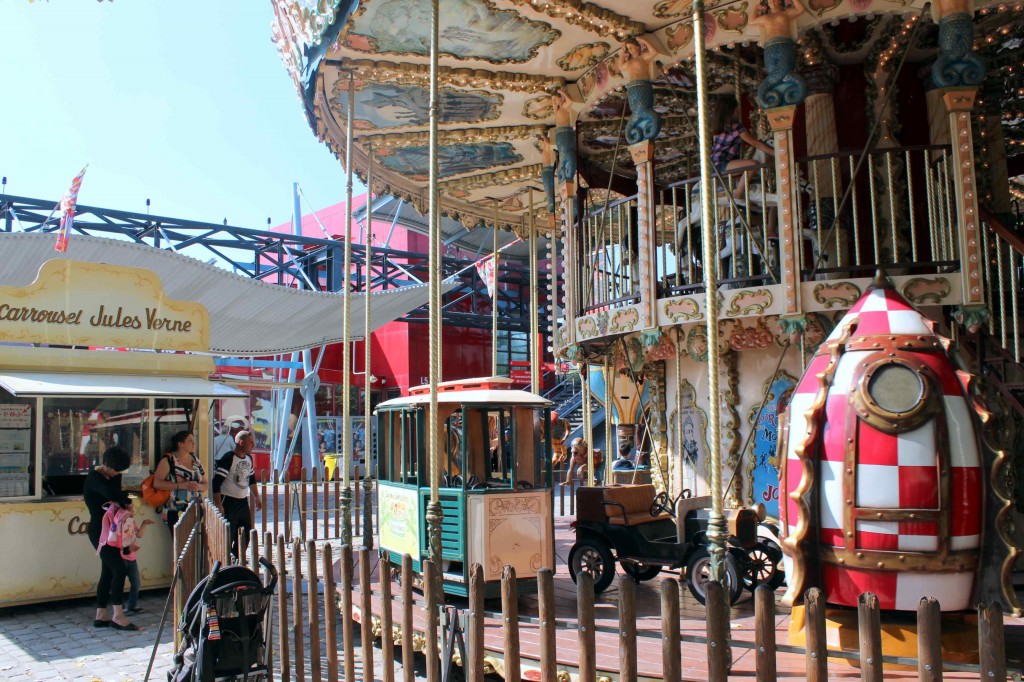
[649, 642]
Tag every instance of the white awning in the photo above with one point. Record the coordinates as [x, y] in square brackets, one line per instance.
[146, 386]
[247, 317]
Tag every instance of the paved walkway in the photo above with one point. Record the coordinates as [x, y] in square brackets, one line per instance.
[58, 642]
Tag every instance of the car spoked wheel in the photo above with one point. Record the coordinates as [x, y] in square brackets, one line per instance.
[764, 567]
[591, 557]
[698, 575]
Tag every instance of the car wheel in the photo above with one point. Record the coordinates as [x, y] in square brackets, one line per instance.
[593, 557]
[764, 567]
[640, 572]
[698, 575]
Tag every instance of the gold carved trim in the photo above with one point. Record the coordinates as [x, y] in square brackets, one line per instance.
[453, 136]
[502, 177]
[419, 74]
[733, 19]
[794, 545]
[586, 15]
[875, 560]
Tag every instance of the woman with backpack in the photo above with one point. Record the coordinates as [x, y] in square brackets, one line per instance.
[103, 488]
[180, 473]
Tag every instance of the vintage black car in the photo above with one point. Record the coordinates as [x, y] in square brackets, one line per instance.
[636, 526]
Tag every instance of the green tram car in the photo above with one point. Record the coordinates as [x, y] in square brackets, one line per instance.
[496, 481]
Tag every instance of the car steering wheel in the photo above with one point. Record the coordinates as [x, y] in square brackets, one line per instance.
[662, 503]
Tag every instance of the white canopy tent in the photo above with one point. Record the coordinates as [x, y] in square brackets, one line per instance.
[247, 317]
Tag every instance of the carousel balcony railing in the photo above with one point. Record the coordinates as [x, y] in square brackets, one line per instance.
[1004, 272]
[910, 188]
[742, 228]
[901, 211]
[609, 256]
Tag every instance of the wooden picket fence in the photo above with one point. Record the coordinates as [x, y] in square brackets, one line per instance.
[312, 641]
[310, 507]
[307, 630]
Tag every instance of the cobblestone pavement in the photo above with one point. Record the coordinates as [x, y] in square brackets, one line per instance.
[57, 641]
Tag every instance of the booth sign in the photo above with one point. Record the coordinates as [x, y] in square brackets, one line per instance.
[74, 303]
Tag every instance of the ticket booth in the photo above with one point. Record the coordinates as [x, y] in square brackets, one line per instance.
[72, 384]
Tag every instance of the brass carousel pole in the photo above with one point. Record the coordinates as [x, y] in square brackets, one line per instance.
[367, 374]
[534, 321]
[588, 426]
[434, 513]
[717, 533]
[346, 341]
[494, 295]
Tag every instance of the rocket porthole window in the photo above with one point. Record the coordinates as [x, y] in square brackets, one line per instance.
[896, 392]
[896, 388]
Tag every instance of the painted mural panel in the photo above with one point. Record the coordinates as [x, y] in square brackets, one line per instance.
[391, 105]
[454, 159]
[764, 471]
[692, 422]
[469, 29]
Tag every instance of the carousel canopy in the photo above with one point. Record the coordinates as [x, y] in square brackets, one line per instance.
[500, 60]
[247, 317]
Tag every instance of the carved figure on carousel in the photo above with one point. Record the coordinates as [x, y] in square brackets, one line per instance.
[547, 170]
[565, 136]
[882, 477]
[781, 85]
[956, 65]
[636, 64]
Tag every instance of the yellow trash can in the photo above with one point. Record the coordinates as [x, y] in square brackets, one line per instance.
[330, 462]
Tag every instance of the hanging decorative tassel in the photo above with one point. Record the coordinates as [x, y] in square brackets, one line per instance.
[214, 624]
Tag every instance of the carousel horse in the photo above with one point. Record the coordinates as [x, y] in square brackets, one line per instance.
[559, 434]
[757, 199]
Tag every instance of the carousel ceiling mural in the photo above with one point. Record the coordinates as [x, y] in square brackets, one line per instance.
[502, 60]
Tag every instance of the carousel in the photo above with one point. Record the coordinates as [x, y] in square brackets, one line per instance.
[781, 237]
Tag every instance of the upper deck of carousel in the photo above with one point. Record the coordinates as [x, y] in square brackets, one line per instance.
[897, 192]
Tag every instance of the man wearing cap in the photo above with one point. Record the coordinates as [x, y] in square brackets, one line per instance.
[235, 473]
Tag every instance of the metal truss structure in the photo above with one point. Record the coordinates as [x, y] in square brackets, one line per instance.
[280, 258]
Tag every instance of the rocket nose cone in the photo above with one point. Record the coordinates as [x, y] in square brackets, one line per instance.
[881, 280]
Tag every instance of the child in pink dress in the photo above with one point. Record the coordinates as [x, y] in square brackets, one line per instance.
[129, 552]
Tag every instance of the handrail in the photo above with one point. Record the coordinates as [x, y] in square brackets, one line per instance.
[725, 174]
[606, 207]
[886, 150]
[1003, 232]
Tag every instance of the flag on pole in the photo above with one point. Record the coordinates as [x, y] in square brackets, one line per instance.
[485, 268]
[67, 211]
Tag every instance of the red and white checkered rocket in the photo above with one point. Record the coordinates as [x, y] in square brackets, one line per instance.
[882, 476]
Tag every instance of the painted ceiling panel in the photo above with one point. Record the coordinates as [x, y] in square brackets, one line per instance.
[502, 59]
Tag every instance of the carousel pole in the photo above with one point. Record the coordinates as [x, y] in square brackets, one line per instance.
[434, 513]
[346, 339]
[612, 452]
[588, 426]
[534, 321]
[717, 532]
[367, 374]
[494, 295]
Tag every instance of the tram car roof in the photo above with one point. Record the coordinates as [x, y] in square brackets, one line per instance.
[483, 391]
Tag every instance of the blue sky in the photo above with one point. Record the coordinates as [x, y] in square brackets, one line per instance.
[184, 102]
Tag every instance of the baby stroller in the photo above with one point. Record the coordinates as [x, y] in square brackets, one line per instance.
[225, 627]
